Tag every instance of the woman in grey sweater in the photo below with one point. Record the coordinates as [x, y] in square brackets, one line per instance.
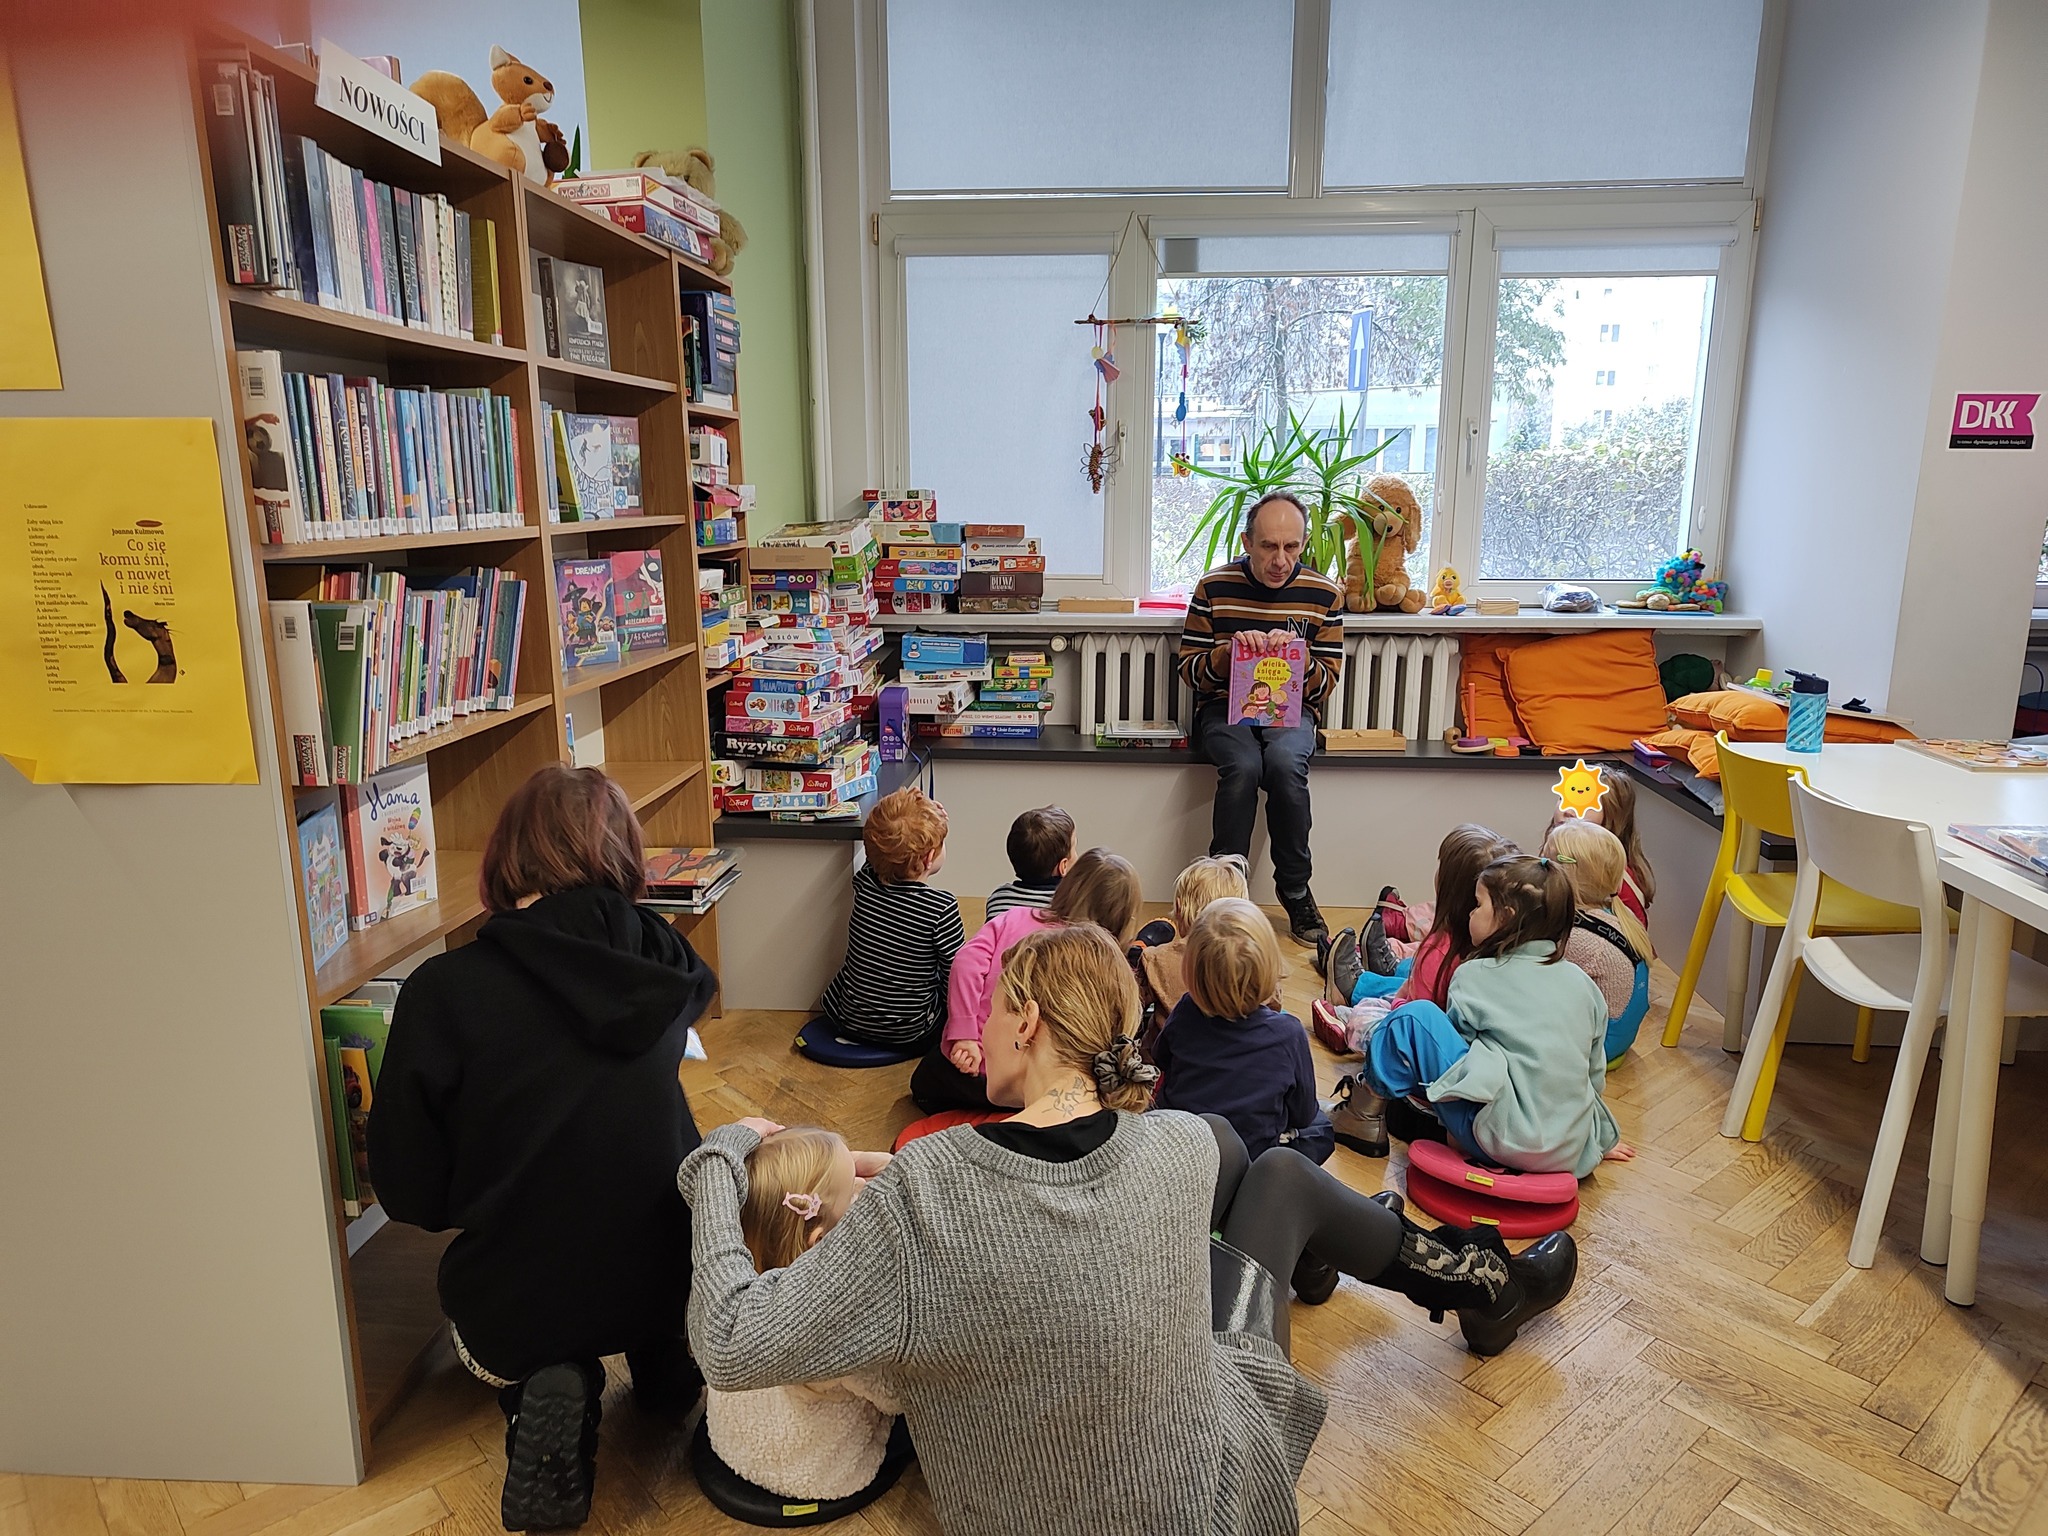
[1036, 1292]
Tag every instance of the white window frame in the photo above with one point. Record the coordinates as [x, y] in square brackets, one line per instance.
[867, 440]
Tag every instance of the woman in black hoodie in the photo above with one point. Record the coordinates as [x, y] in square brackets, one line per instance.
[529, 1098]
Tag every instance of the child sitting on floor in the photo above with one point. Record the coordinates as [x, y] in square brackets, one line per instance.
[900, 944]
[1228, 1049]
[1156, 952]
[1354, 998]
[818, 1440]
[1606, 941]
[1100, 888]
[1617, 813]
[1041, 848]
[1512, 1069]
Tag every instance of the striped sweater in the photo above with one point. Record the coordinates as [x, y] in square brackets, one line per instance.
[1230, 599]
[891, 989]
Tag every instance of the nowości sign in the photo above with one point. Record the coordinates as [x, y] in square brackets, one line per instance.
[352, 90]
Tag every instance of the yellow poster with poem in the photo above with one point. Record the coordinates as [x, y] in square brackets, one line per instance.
[120, 655]
[28, 347]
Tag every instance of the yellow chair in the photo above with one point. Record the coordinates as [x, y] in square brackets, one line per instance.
[1756, 799]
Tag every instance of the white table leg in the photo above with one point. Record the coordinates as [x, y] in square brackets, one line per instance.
[1979, 1104]
[1740, 936]
[1941, 1160]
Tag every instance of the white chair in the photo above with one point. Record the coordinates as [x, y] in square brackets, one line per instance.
[1893, 860]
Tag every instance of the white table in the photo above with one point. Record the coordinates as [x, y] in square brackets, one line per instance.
[1900, 782]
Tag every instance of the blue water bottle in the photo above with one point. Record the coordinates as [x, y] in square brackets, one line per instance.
[1806, 725]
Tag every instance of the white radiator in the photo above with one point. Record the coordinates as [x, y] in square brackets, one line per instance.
[1407, 683]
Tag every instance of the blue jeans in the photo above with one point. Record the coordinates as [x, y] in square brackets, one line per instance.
[1249, 758]
[1411, 1048]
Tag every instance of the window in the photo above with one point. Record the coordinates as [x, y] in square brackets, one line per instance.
[999, 395]
[1286, 333]
[1585, 487]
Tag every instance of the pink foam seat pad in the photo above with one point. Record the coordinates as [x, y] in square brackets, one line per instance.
[945, 1120]
[1460, 1205]
[1447, 1165]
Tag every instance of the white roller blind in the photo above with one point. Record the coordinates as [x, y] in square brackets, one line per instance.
[1079, 95]
[1580, 253]
[1461, 93]
[1407, 249]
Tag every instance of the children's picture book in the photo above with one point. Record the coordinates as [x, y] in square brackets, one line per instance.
[590, 463]
[320, 870]
[387, 830]
[2024, 846]
[626, 467]
[639, 607]
[1266, 689]
[590, 635]
[579, 314]
[1983, 756]
[682, 872]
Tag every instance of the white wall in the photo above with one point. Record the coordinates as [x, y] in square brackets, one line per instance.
[169, 1288]
[431, 34]
[1869, 143]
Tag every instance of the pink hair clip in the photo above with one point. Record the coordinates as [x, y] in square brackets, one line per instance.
[806, 1206]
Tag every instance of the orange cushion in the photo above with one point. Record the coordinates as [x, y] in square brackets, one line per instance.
[1483, 684]
[1751, 717]
[1696, 747]
[945, 1120]
[1588, 693]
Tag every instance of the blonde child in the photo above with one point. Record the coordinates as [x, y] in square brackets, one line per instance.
[1101, 888]
[900, 944]
[819, 1440]
[1512, 1069]
[1606, 941]
[1228, 1050]
[1156, 955]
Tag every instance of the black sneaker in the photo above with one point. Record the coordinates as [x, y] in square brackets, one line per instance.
[1378, 953]
[1305, 919]
[551, 1451]
[1341, 973]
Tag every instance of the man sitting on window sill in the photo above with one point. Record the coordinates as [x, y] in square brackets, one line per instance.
[1269, 596]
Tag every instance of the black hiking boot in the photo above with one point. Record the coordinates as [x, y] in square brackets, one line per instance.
[551, 1451]
[1541, 1276]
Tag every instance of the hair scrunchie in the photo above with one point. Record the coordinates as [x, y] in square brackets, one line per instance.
[1120, 1064]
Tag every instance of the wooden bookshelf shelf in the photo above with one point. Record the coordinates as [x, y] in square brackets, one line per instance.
[555, 370]
[645, 783]
[719, 678]
[349, 551]
[712, 412]
[603, 525]
[737, 547]
[585, 679]
[523, 704]
[269, 319]
[374, 950]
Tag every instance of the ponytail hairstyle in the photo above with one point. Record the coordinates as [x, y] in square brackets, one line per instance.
[1466, 850]
[1594, 862]
[1088, 1004]
[1102, 888]
[1534, 899]
[787, 1175]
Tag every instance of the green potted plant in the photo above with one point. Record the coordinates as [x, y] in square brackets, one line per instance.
[1314, 466]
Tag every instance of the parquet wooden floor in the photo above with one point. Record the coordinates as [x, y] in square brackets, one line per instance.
[1719, 1369]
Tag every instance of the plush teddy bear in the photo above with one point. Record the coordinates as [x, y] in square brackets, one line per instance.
[515, 135]
[1398, 522]
[695, 166]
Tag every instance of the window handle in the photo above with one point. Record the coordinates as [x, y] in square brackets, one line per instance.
[1471, 443]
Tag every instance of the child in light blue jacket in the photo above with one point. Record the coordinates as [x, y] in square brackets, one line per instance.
[1514, 1067]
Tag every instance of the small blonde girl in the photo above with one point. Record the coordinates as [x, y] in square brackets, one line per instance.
[1606, 941]
[1159, 954]
[821, 1440]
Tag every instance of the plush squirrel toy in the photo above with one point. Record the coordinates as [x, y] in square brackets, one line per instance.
[514, 135]
[695, 166]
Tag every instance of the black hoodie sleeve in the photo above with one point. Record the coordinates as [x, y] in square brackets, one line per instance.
[409, 1154]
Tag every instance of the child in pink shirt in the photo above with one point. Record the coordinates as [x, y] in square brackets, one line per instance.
[1100, 888]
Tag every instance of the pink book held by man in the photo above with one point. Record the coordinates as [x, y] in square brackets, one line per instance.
[1266, 689]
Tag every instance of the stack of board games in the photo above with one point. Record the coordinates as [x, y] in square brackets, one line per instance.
[1014, 689]
[593, 466]
[1001, 569]
[720, 618]
[666, 209]
[689, 879]
[919, 567]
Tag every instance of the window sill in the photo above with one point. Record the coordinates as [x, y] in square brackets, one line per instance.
[1531, 619]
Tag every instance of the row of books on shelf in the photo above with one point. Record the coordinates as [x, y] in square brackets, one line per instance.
[593, 466]
[333, 456]
[955, 686]
[296, 219]
[611, 605]
[666, 209]
[366, 855]
[381, 658]
[353, 1036]
[711, 347]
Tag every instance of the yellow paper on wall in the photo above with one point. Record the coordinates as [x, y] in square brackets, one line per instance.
[28, 347]
[120, 655]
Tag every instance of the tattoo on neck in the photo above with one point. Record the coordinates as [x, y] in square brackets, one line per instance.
[1071, 1097]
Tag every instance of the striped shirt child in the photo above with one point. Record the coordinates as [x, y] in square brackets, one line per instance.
[1230, 600]
[891, 990]
[1022, 893]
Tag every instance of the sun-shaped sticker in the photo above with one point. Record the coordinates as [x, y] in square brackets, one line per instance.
[1579, 789]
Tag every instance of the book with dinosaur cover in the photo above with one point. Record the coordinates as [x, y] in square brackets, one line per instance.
[639, 606]
[1266, 689]
[590, 636]
[320, 872]
[387, 829]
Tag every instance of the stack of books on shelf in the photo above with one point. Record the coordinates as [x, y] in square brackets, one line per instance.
[666, 209]
[593, 466]
[929, 566]
[569, 297]
[952, 686]
[366, 854]
[689, 879]
[611, 605]
[353, 1036]
[297, 220]
[333, 456]
[711, 347]
[384, 657]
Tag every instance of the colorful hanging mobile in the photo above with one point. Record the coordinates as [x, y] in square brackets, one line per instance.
[1186, 333]
[1100, 458]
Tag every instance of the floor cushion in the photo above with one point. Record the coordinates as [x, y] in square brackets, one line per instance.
[755, 1505]
[1463, 1193]
[1594, 692]
[822, 1042]
[945, 1120]
[1483, 700]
